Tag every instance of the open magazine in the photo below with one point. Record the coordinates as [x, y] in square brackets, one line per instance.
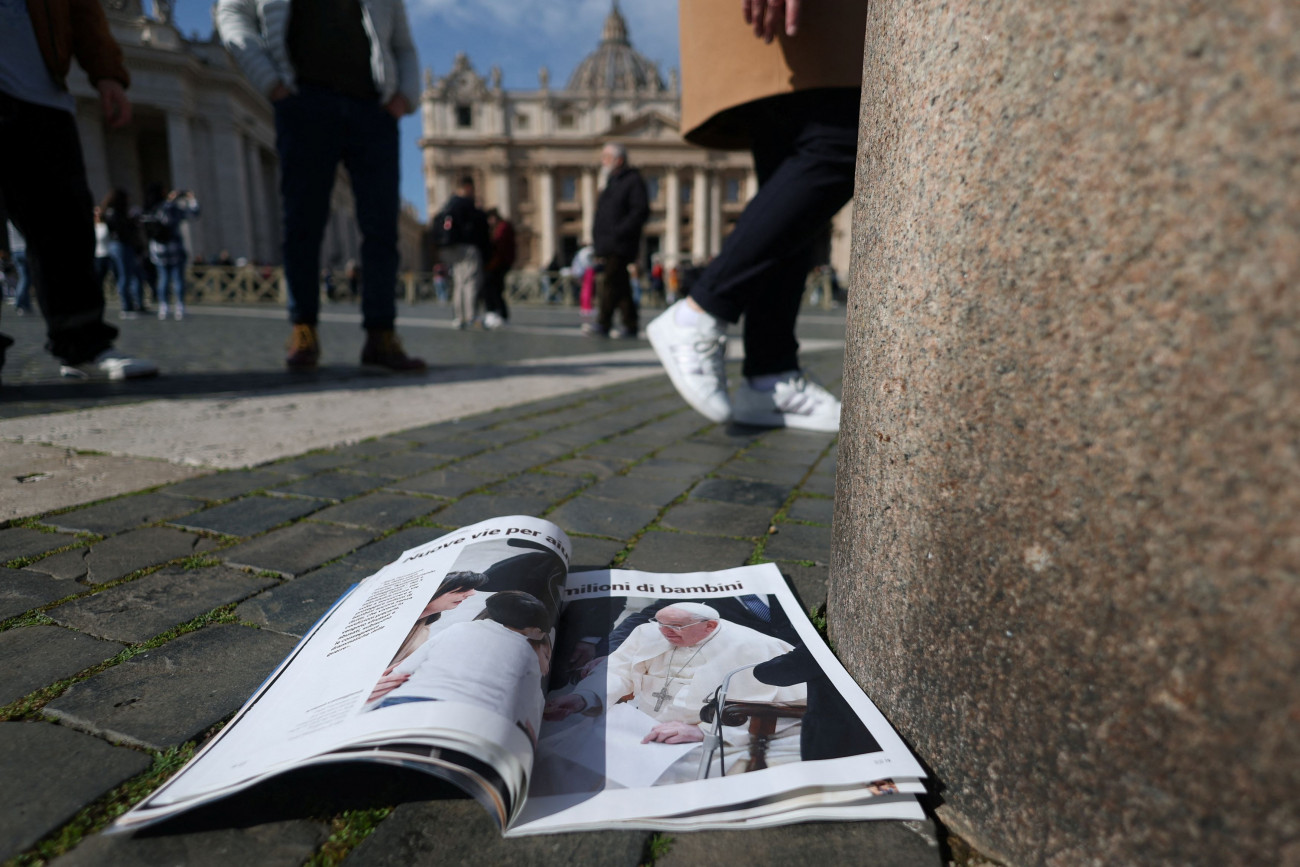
[565, 701]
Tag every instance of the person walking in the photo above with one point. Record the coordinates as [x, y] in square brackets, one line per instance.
[339, 75]
[461, 233]
[500, 261]
[43, 174]
[621, 213]
[164, 215]
[783, 79]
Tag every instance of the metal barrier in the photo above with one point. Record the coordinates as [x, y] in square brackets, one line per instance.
[264, 284]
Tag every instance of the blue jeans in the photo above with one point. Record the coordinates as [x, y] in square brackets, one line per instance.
[23, 294]
[173, 277]
[126, 270]
[315, 129]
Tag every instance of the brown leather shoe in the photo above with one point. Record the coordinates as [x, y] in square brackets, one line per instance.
[304, 349]
[383, 352]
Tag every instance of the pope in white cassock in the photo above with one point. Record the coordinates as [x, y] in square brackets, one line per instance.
[671, 666]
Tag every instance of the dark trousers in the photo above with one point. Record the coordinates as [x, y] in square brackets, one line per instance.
[43, 181]
[614, 292]
[494, 293]
[315, 129]
[805, 149]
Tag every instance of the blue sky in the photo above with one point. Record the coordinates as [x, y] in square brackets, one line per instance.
[520, 36]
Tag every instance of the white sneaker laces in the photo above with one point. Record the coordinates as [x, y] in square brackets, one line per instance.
[702, 357]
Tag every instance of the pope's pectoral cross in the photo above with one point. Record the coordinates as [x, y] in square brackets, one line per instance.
[660, 697]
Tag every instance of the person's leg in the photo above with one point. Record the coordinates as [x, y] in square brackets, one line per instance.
[608, 290]
[308, 138]
[23, 292]
[370, 154]
[43, 181]
[627, 304]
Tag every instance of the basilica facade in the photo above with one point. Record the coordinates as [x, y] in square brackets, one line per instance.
[534, 154]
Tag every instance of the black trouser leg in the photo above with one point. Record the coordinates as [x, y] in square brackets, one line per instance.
[805, 148]
[43, 179]
[615, 289]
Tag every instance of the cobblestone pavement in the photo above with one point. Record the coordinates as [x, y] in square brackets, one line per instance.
[131, 629]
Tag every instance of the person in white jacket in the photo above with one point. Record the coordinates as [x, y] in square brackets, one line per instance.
[339, 74]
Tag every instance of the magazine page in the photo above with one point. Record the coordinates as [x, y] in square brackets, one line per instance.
[448, 648]
[708, 698]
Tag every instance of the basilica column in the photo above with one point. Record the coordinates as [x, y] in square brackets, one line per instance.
[90, 125]
[751, 185]
[672, 246]
[180, 153]
[233, 212]
[715, 214]
[257, 198]
[499, 184]
[588, 204]
[546, 215]
[700, 217]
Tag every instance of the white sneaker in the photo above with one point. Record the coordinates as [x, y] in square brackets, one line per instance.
[794, 402]
[162, 311]
[695, 359]
[493, 321]
[179, 312]
[110, 364]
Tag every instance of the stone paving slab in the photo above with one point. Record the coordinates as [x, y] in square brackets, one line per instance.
[718, 519]
[814, 510]
[592, 553]
[373, 557]
[442, 483]
[19, 542]
[481, 507]
[297, 549]
[249, 516]
[619, 448]
[223, 486]
[401, 465]
[512, 459]
[274, 844]
[36, 656]
[459, 832]
[171, 694]
[68, 566]
[819, 484]
[546, 485]
[312, 464]
[295, 606]
[742, 493]
[629, 489]
[119, 556]
[879, 844]
[123, 513]
[670, 468]
[712, 454]
[331, 485]
[60, 772]
[376, 448]
[379, 511]
[21, 590]
[799, 542]
[810, 582]
[602, 517]
[658, 551]
[138, 610]
[600, 468]
[765, 471]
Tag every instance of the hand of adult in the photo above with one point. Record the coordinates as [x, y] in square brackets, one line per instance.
[768, 17]
[591, 666]
[279, 92]
[387, 684]
[113, 100]
[563, 707]
[399, 106]
[582, 654]
[674, 733]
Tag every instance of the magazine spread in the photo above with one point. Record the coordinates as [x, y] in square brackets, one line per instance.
[565, 701]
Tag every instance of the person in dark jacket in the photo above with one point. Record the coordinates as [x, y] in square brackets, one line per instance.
[460, 231]
[43, 174]
[500, 261]
[621, 212]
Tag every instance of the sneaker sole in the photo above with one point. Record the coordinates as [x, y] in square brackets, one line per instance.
[780, 419]
[659, 342]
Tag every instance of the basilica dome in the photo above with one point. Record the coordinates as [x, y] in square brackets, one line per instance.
[615, 65]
